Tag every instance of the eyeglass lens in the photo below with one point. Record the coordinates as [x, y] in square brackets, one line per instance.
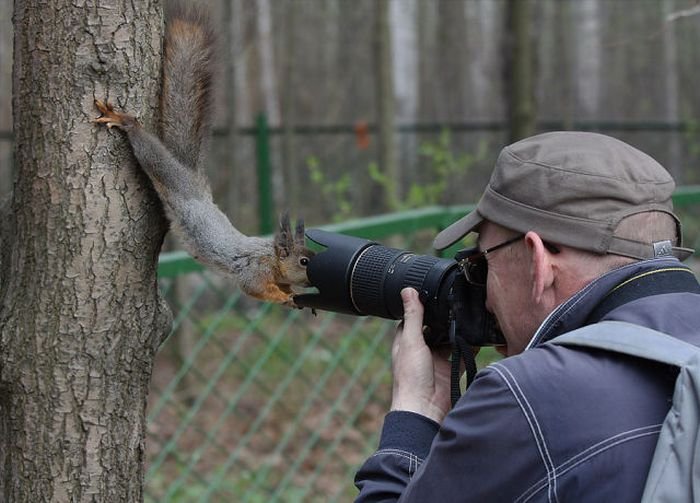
[476, 270]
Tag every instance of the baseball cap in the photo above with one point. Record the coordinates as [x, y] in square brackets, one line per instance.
[574, 188]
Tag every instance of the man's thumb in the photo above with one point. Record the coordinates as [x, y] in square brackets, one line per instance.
[412, 310]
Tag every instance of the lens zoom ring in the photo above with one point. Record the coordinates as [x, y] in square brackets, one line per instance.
[368, 276]
[416, 274]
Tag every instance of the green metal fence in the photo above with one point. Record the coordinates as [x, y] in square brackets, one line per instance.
[254, 402]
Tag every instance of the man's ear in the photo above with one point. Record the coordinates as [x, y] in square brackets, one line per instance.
[541, 266]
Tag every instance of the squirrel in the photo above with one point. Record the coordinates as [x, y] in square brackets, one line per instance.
[271, 269]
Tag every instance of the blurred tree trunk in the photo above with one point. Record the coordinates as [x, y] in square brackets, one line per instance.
[385, 105]
[561, 70]
[268, 75]
[240, 180]
[269, 87]
[587, 45]
[519, 70]
[80, 314]
[404, 43]
[291, 176]
[671, 81]
[481, 16]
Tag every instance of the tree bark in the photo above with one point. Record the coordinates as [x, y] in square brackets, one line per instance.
[6, 165]
[80, 314]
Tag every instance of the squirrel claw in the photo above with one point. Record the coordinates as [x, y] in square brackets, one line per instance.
[111, 118]
[107, 111]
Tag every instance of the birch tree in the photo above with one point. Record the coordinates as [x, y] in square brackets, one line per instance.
[403, 16]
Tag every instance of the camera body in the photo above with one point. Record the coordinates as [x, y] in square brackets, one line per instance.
[361, 277]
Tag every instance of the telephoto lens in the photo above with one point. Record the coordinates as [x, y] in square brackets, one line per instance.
[361, 277]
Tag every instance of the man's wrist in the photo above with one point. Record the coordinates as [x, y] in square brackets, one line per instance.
[426, 409]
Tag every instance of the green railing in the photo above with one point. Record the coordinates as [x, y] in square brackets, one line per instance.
[255, 402]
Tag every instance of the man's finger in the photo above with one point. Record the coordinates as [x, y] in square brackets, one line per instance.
[412, 312]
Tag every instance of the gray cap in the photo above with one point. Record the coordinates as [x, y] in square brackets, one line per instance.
[573, 188]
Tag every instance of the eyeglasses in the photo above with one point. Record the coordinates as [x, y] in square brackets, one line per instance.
[476, 267]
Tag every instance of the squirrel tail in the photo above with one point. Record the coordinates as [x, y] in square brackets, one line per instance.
[188, 72]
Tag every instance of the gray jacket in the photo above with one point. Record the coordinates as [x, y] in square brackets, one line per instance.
[553, 423]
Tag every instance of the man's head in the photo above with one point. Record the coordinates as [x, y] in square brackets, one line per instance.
[599, 201]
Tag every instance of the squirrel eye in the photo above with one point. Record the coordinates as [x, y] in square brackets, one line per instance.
[304, 261]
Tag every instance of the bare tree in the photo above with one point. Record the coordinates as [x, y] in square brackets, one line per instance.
[80, 315]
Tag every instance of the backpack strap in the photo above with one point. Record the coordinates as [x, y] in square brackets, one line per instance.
[630, 339]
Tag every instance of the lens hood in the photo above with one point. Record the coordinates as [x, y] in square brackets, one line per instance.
[331, 270]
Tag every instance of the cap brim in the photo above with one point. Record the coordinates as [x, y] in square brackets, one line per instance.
[457, 230]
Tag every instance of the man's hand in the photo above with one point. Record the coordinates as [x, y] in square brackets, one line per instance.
[421, 376]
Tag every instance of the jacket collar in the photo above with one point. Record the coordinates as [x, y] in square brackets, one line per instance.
[574, 312]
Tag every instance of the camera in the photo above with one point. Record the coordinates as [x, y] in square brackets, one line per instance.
[361, 277]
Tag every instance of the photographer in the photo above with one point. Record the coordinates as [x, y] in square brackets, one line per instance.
[574, 228]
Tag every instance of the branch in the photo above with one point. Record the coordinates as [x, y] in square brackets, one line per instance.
[683, 13]
[670, 18]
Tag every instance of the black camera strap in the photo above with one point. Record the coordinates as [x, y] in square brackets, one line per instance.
[646, 284]
[461, 352]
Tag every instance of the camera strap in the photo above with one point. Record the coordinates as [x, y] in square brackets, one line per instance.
[461, 352]
[654, 282]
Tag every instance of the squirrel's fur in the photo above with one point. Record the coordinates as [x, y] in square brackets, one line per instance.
[267, 269]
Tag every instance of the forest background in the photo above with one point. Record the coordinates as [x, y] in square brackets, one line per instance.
[373, 106]
[441, 76]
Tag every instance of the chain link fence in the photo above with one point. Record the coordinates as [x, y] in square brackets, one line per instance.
[254, 402]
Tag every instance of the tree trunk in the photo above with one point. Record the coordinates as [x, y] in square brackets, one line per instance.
[80, 315]
[519, 69]
[385, 105]
[671, 84]
[404, 44]
[291, 176]
[268, 82]
[588, 62]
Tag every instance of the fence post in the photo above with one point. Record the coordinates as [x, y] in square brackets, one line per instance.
[262, 144]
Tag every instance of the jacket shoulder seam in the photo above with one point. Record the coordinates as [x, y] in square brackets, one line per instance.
[535, 429]
[588, 453]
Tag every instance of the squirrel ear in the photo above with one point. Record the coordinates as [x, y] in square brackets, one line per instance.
[283, 238]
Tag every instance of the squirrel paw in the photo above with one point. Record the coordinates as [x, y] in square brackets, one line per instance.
[112, 118]
[290, 303]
